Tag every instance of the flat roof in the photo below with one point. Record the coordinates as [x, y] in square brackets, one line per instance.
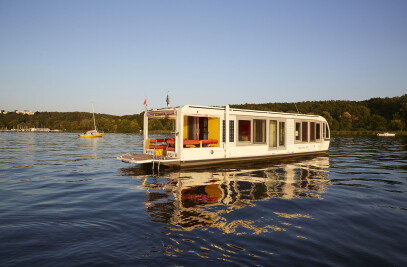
[171, 112]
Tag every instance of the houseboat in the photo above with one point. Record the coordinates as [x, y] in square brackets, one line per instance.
[207, 135]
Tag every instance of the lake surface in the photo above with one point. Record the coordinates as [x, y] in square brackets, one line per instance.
[66, 201]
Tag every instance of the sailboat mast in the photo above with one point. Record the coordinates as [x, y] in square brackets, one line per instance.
[93, 112]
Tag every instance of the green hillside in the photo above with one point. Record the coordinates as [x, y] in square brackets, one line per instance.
[376, 114]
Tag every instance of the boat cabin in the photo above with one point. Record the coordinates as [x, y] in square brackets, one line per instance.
[205, 135]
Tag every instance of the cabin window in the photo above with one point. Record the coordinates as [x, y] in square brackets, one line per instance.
[304, 131]
[318, 131]
[203, 128]
[281, 133]
[298, 131]
[192, 128]
[259, 131]
[198, 129]
[312, 131]
[244, 133]
[327, 131]
[231, 131]
[223, 131]
[273, 134]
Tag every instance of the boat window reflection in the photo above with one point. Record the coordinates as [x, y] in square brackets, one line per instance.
[191, 199]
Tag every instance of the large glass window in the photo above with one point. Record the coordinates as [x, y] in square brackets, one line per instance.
[259, 131]
[193, 132]
[197, 128]
[318, 131]
[297, 131]
[327, 131]
[273, 134]
[281, 133]
[244, 133]
[304, 131]
[312, 131]
[203, 128]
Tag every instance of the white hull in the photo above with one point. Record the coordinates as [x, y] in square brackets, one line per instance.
[204, 162]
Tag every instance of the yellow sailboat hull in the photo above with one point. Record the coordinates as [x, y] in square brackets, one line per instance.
[90, 135]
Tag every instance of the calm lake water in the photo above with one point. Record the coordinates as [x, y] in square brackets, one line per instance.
[67, 201]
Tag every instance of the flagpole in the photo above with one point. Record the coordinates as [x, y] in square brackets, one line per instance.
[168, 100]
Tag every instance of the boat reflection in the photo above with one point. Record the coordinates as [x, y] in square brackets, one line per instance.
[197, 199]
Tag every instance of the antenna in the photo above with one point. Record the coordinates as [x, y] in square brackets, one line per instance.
[296, 107]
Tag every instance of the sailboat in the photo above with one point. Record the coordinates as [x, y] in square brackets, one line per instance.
[92, 133]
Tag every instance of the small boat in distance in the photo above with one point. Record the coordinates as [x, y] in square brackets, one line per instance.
[92, 133]
[386, 134]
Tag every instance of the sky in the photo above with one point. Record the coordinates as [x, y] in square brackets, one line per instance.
[65, 55]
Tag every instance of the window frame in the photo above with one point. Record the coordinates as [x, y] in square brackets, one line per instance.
[285, 134]
[314, 124]
[299, 132]
[312, 132]
[306, 132]
[238, 141]
[326, 132]
[319, 136]
[269, 132]
[278, 121]
[231, 131]
[264, 131]
[318, 133]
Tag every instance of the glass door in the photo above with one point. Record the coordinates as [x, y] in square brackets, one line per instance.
[273, 134]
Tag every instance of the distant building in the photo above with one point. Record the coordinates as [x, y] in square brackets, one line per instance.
[40, 130]
[25, 112]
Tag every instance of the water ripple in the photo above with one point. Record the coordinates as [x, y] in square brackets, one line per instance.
[68, 201]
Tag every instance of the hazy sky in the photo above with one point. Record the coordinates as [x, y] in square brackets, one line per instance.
[64, 55]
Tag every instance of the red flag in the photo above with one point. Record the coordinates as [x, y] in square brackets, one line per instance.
[145, 101]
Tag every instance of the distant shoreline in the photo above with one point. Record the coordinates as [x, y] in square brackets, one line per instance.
[398, 133]
[333, 133]
[32, 130]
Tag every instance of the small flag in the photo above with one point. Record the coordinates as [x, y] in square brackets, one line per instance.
[168, 100]
[145, 103]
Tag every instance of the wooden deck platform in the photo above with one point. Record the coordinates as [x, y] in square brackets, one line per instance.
[142, 158]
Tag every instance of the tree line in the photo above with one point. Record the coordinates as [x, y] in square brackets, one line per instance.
[81, 121]
[376, 114]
